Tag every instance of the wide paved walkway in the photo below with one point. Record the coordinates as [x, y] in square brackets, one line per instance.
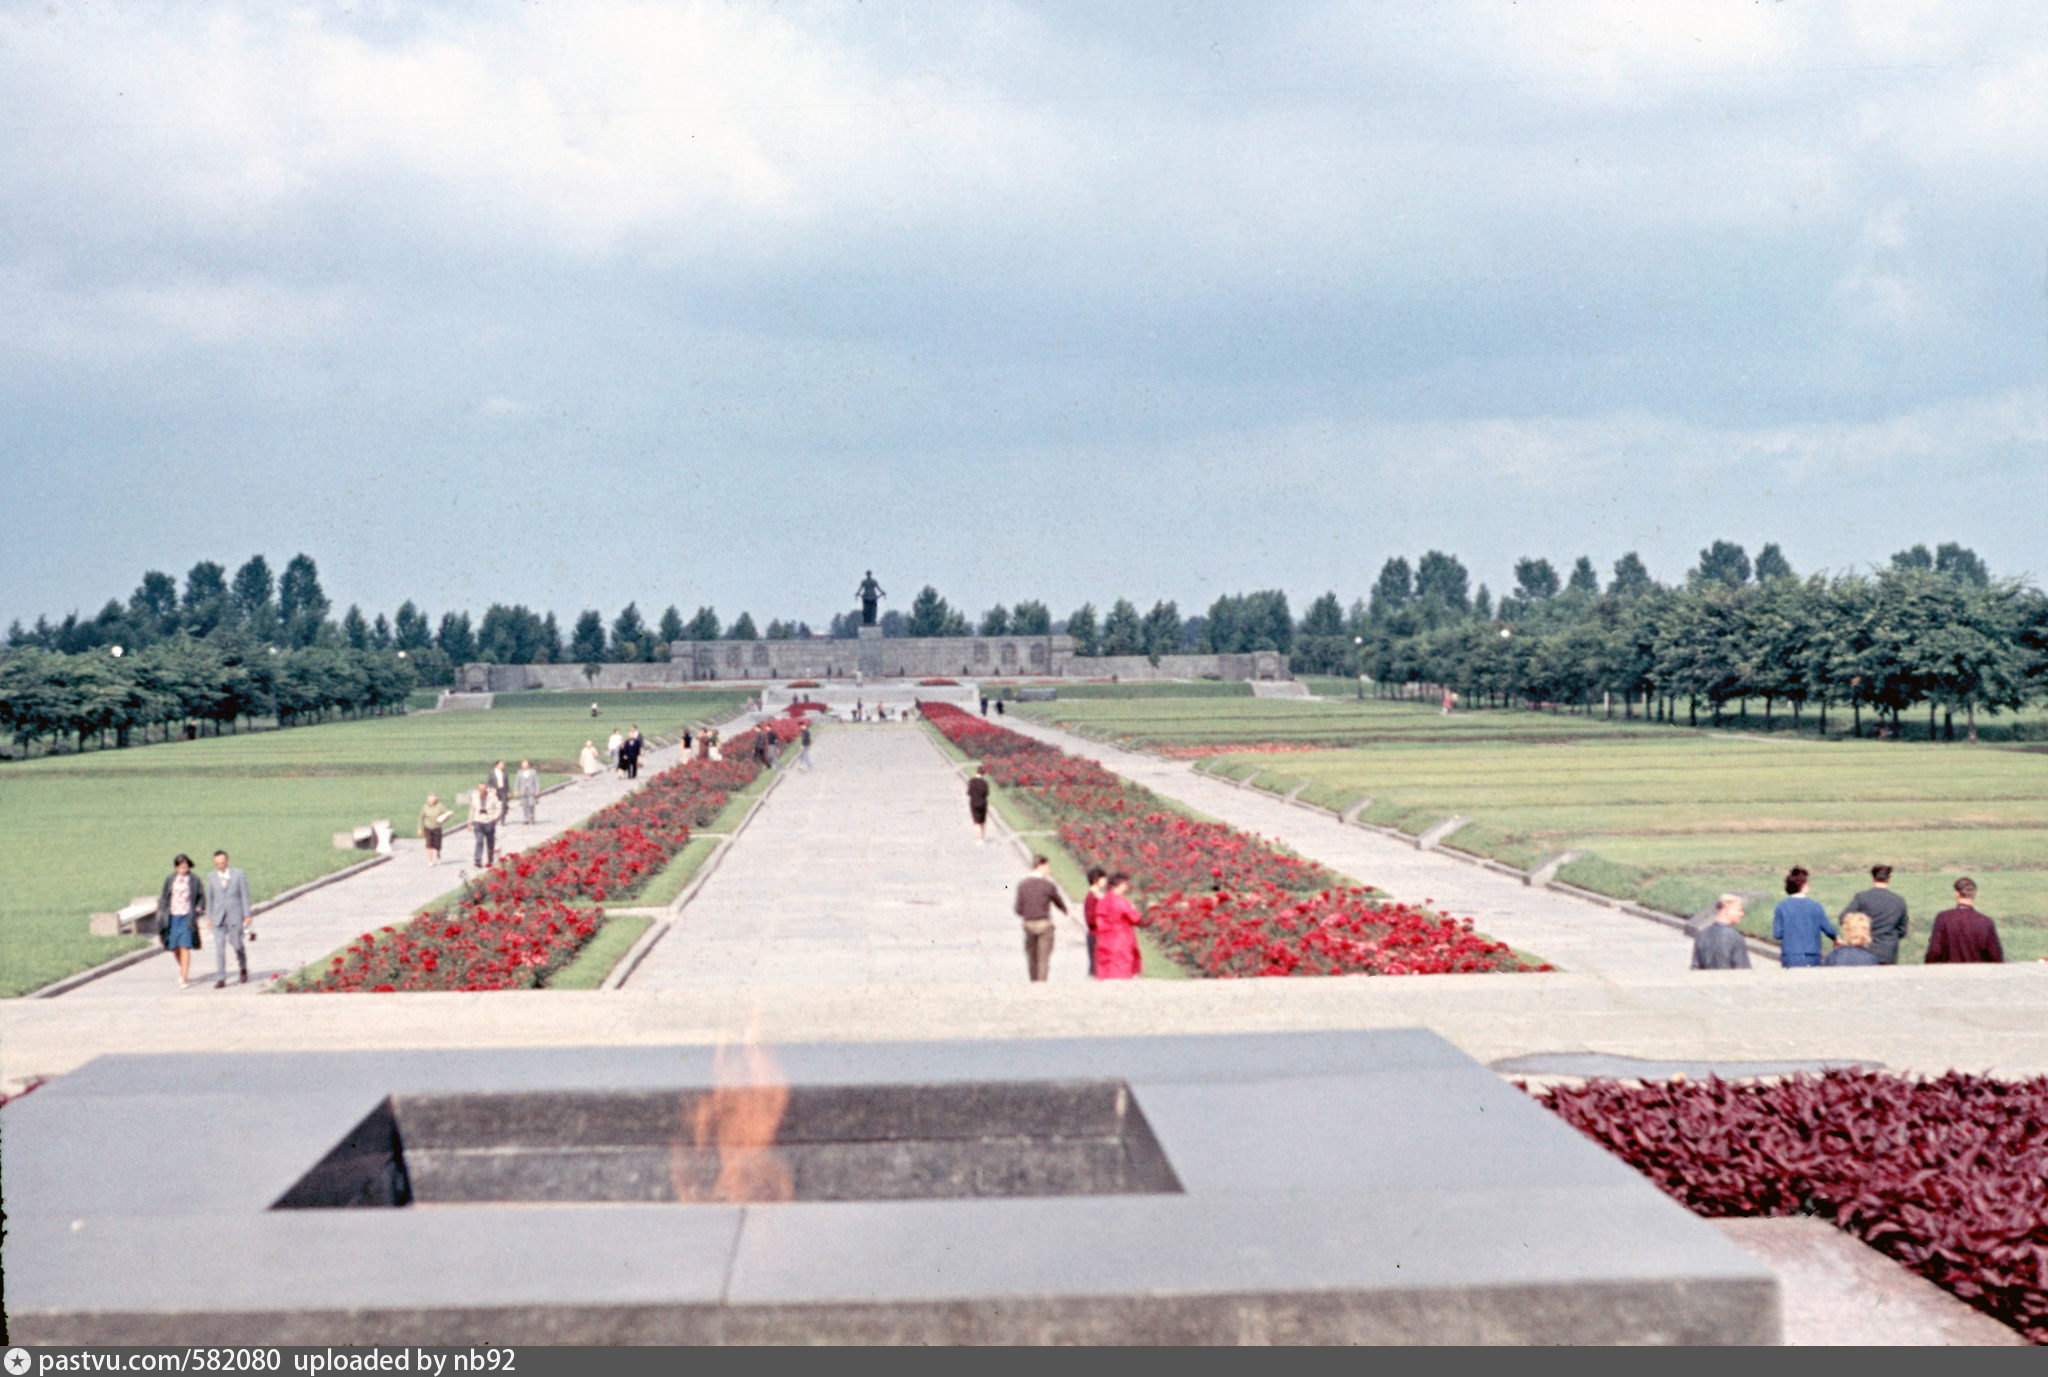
[1572, 934]
[315, 924]
[862, 872]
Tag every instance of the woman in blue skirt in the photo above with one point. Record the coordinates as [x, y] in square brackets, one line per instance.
[178, 910]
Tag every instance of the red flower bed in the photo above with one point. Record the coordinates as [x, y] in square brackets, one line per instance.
[525, 918]
[805, 683]
[1226, 902]
[805, 705]
[938, 683]
[1948, 1176]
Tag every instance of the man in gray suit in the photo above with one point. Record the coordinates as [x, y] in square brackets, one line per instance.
[227, 910]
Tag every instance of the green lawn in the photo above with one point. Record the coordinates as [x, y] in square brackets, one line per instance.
[85, 833]
[1670, 816]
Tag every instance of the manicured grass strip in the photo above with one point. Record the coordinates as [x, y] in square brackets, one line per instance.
[665, 886]
[601, 953]
[1665, 816]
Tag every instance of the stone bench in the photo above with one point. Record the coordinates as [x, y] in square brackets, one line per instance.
[374, 836]
[138, 915]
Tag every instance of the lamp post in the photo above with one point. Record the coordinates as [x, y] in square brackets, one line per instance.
[1358, 663]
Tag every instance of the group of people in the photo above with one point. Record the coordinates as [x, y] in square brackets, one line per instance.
[1107, 912]
[191, 905]
[489, 804]
[1867, 933]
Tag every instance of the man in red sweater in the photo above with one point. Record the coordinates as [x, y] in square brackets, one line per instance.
[1962, 933]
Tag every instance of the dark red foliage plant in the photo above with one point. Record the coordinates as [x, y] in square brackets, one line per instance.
[1949, 1176]
[1224, 902]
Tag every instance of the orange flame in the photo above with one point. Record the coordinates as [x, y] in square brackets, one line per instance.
[737, 1120]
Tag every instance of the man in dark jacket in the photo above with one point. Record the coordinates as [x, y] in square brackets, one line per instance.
[1961, 933]
[977, 803]
[1037, 897]
[1720, 945]
[1887, 912]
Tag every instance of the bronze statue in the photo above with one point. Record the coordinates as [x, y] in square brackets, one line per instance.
[870, 594]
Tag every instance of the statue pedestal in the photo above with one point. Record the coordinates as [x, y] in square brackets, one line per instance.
[871, 652]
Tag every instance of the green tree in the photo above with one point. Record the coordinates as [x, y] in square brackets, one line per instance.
[1441, 580]
[1771, 564]
[1030, 619]
[355, 628]
[455, 639]
[1631, 578]
[1583, 579]
[1961, 563]
[704, 626]
[1081, 626]
[742, 629]
[995, 622]
[1916, 557]
[1162, 631]
[930, 614]
[153, 606]
[1123, 633]
[629, 635]
[254, 589]
[1394, 589]
[206, 602]
[410, 628]
[586, 642]
[1724, 562]
[671, 628]
[301, 605]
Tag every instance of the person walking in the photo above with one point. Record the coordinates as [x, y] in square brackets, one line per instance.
[1887, 913]
[1037, 897]
[1798, 922]
[486, 807]
[977, 803]
[178, 911]
[227, 913]
[527, 786]
[717, 746]
[593, 708]
[1962, 934]
[689, 742]
[1098, 887]
[629, 753]
[1853, 947]
[588, 760]
[1116, 932]
[433, 817]
[803, 753]
[611, 747]
[501, 785]
[1719, 946]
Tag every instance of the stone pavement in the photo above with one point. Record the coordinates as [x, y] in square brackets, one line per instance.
[861, 872]
[1572, 934]
[315, 924]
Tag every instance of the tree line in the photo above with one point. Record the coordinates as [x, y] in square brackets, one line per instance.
[1929, 631]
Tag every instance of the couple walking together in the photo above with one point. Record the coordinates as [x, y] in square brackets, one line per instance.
[1111, 918]
[190, 904]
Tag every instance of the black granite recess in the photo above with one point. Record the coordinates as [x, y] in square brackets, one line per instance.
[838, 1142]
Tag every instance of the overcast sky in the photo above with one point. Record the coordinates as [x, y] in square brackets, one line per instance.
[575, 303]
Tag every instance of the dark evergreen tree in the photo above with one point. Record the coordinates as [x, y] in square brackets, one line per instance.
[1771, 564]
[629, 635]
[1535, 580]
[1631, 577]
[411, 628]
[1961, 563]
[1394, 589]
[995, 622]
[206, 598]
[153, 606]
[1583, 579]
[671, 628]
[1724, 562]
[586, 642]
[704, 626]
[455, 639]
[742, 629]
[1123, 632]
[1030, 618]
[1442, 578]
[929, 613]
[355, 628]
[1081, 626]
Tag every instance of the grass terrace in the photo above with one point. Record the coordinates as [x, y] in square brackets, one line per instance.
[1668, 816]
[89, 832]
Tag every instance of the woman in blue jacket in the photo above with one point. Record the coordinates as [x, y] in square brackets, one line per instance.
[1798, 922]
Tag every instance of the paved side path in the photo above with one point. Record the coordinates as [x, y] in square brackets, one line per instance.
[862, 872]
[1572, 934]
[315, 924]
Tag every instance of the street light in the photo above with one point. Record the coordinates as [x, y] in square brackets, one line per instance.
[1358, 662]
[115, 651]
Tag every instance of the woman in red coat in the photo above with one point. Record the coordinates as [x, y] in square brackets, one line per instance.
[1116, 932]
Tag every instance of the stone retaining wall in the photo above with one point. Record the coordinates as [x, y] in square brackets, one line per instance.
[979, 657]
